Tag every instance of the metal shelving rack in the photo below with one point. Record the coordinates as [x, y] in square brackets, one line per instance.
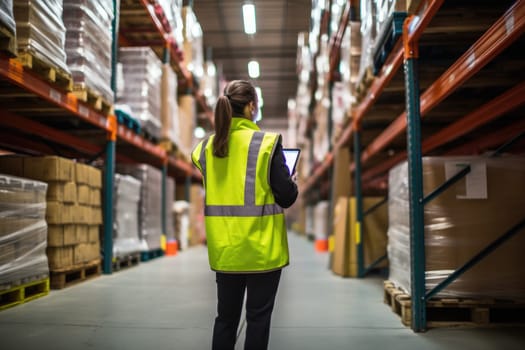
[40, 118]
[468, 133]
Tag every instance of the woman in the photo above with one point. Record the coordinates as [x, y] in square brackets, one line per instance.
[247, 184]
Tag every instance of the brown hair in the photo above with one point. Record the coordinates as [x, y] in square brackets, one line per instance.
[237, 94]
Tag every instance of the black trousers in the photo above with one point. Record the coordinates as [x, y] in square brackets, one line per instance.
[261, 290]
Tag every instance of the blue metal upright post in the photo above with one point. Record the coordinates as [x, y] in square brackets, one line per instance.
[109, 164]
[358, 203]
[415, 180]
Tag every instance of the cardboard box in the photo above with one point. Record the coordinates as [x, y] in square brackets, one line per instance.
[81, 214]
[93, 233]
[61, 235]
[11, 225]
[62, 192]
[82, 232]
[95, 197]
[49, 168]
[86, 252]
[59, 213]
[95, 177]
[84, 194]
[60, 257]
[96, 216]
[82, 173]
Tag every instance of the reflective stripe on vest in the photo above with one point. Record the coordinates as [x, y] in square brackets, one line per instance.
[249, 208]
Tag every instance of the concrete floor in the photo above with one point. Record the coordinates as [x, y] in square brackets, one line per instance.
[169, 303]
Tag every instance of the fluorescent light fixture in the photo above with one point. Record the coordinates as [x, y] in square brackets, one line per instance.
[253, 69]
[248, 14]
[199, 132]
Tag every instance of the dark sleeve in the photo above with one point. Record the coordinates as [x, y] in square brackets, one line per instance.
[283, 187]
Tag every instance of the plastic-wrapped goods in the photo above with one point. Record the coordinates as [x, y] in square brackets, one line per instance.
[384, 9]
[23, 230]
[368, 37]
[321, 226]
[142, 81]
[89, 43]
[41, 31]
[169, 105]
[126, 213]
[181, 211]
[170, 199]
[209, 82]
[150, 204]
[461, 222]
[6, 15]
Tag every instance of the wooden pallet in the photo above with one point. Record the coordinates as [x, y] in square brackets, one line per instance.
[92, 98]
[23, 293]
[7, 41]
[458, 312]
[170, 147]
[126, 261]
[67, 277]
[364, 83]
[151, 254]
[48, 72]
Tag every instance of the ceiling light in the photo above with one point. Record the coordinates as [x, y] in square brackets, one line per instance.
[199, 132]
[253, 69]
[248, 13]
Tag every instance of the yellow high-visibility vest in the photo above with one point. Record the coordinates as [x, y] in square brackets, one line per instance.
[245, 227]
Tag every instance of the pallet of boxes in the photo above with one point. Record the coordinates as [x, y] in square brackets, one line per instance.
[73, 214]
[24, 274]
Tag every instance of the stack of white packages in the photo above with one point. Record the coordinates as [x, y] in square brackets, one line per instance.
[89, 43]
[142, 72]
[150, 219]
[126, 216]
[23, 231]
[41, 31]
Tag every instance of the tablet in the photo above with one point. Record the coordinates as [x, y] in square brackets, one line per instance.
[291, 155]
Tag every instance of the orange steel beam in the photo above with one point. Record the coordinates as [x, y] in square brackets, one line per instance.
[125, 134]
[31, 127]
[486, 113]
[492, 43]
[14, 72]
[337, 39]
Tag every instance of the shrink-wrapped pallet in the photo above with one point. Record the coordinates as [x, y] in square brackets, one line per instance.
[142, 72]
[461, 222]
[126, 216]
[7, 18]
[89, 44]
[368, 38]
[23, 231]
[150, 204]
[41, 31]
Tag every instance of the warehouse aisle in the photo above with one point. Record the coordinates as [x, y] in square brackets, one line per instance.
[170, 304]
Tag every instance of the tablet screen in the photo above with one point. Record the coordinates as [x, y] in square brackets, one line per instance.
[291, 155]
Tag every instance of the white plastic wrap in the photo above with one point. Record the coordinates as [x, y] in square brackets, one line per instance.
[150, 204]
[23, 230]
[368, 37]
[88, 43]
[126, 216]
[7, 18]
[170, 106]
[142, 80]
[181, 211]
[41, 31]
[461, 222]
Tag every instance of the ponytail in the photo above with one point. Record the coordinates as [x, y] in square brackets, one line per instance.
[223, 118]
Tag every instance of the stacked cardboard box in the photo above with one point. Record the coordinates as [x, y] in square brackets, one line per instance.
[461, 222]
[23, 231]
[73, 212]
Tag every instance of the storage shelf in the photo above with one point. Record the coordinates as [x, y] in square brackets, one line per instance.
[457, 79]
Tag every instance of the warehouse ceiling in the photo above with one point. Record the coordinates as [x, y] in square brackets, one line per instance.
[274, 46]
